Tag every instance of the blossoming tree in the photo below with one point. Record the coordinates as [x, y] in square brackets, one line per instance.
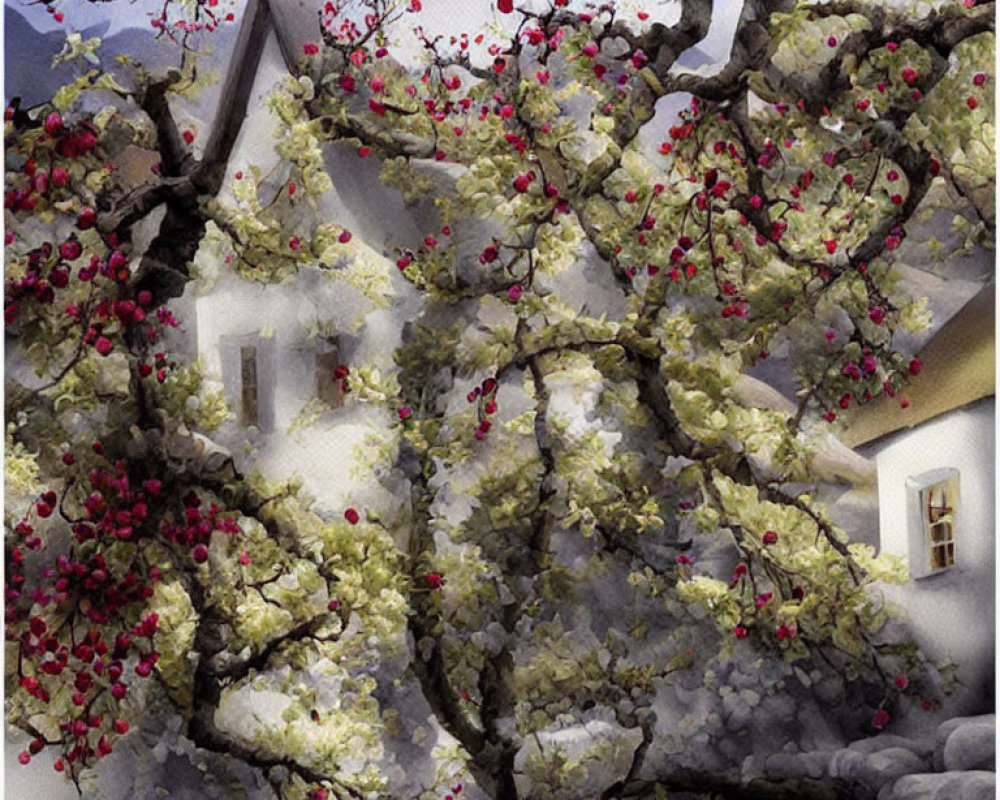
[665, 527]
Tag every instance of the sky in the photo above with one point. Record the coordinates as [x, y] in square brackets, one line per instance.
[438, 16]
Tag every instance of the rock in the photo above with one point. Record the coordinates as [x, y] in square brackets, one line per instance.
[971, 746]
[976, 785]
[739, 718]
[785, 766]
[922, 747]
[818, 730]
[816, 763]
[945, 730]
[602, 750]
[846, 764]
[894, 762]
[829, 690]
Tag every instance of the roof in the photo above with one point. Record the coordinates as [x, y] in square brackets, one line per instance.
[959, 367]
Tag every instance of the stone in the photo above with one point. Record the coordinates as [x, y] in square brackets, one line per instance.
[846, 764]
[819, 731]
[894, 762]
[946, 728]
[922, 747]
[784, 766]
[973, 785]
[971, 746]
[816, 763]
[603, 750]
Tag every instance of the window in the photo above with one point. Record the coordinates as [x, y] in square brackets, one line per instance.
[329, 388]
[932, 500]
[249, 379]
[248, 386]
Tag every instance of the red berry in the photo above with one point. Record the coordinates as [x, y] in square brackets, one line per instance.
[200, 554]
[59, 277]
[345, 237]
[103, 345]
[53, 123]
[188, 136]
[70, 249]
[434, 581]
[351, 515]
[86, 218]
[880, 719]
[505, 6]
[769, 537]
[972, 103]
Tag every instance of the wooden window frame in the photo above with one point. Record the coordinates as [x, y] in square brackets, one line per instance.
[933, 519]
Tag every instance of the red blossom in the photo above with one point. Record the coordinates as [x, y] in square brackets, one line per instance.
[880, 719]
[53, 123]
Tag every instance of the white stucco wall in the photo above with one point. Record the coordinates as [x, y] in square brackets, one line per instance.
[951, 612]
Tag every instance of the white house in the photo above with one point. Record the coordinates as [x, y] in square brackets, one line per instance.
[936, 496]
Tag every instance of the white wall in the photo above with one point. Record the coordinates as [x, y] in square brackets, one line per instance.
[952, 612]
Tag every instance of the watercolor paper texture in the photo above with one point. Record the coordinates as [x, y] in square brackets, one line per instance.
[419, 400]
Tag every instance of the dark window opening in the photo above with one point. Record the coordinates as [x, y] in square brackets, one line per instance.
[249, 403]
[329, 388]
